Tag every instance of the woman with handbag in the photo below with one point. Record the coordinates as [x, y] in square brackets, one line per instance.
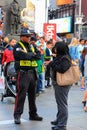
[60, 64]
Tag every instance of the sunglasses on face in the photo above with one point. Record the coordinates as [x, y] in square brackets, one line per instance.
[27, 36]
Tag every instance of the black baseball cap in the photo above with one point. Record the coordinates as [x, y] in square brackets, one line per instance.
[33, 38]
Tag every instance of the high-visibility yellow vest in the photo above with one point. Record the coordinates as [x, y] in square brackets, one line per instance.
[45, 56]
[27, 62]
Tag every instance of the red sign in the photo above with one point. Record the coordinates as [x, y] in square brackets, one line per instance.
[49, 30]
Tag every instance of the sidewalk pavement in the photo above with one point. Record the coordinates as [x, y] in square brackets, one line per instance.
[46, 106]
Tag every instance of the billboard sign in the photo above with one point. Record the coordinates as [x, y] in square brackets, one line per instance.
[49, 30]
[64, 25]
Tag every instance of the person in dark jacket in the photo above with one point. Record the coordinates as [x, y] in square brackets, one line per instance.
[48, 57]
[8, 56]
[25, 65]
[60, 64]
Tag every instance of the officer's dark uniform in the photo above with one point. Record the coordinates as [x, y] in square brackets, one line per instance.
[25, 66]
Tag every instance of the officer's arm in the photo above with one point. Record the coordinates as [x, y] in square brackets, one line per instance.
[37, 54]
[19, 54]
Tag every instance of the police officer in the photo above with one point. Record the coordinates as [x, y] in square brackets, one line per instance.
[25, 65]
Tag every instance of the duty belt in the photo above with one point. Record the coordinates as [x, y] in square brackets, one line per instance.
[26, 71]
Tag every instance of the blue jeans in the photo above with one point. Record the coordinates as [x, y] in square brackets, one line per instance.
[40, 82]
[85, 81]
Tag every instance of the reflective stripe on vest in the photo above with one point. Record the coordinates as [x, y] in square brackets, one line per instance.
[22, 45]
[27, 62]
[45, 56]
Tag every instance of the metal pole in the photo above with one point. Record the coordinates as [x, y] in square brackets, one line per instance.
[46, 11]
[79, 27]
[46, 8]
[74, 12]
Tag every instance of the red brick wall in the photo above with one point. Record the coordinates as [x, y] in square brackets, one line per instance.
[84, 8]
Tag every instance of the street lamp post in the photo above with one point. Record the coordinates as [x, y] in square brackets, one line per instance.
[46, 13]
[80, 15]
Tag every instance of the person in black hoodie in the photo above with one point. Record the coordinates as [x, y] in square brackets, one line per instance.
[60, 64]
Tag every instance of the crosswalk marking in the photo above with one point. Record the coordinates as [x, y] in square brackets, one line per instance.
[7, 122]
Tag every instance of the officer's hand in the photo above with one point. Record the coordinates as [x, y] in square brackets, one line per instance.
[23, 51]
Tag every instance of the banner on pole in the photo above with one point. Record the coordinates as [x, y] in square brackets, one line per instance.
[49, 30]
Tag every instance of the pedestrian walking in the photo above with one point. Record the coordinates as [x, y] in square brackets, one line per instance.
[82, 60]
[84, 100]
[72, 49]
[79, 50]
[48, 58]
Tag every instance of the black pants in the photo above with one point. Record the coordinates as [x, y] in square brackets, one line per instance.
[61, 96]
[26, 82]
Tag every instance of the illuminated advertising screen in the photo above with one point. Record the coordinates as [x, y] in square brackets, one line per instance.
[63, 25]
[63, 2]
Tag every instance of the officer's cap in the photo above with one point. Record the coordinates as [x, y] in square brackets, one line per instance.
[25, 32]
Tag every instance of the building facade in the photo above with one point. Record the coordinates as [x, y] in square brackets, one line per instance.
[80, 28]
[42, 14]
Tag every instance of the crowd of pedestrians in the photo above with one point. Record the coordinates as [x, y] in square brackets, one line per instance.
[78, 52]
[36, 63]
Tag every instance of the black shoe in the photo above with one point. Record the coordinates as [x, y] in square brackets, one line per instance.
[47, 86]
[36, 118]
[17, 120]
[54, 122]
[76, 83]
[55, 128]
[84, 103]
[59, 128]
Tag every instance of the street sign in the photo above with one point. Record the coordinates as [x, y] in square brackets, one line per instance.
[79, 20]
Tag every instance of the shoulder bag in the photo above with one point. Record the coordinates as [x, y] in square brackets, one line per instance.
[72, 75]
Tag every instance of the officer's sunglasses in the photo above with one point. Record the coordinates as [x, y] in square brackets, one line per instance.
[27, 36]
